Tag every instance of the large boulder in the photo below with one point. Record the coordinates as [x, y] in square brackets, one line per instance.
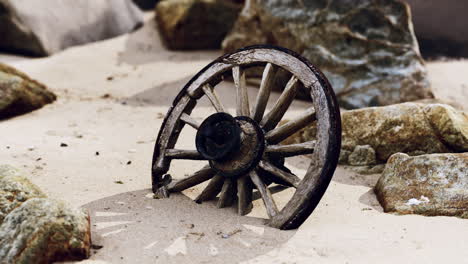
[20, 94]
[435, 184]
[366, 48]
[195, 24]
[45, 27]
[35, 229]
[44, 231]
[15, 189]
[371, 135]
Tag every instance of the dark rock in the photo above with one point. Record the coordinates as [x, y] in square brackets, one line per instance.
[195, 24]
[42, 230]
[367, 49]
[44, 27]
[450, 38]
[19, 94]
[435, 184]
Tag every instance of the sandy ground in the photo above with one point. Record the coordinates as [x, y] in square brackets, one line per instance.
[112, 98]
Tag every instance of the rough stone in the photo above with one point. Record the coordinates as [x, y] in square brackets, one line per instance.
[15, 189]
[42, 230]
[362, 155]
[367, 48]
[195, 24]
[19, 94]
[45, 27]
[434, 184]
[411, 128]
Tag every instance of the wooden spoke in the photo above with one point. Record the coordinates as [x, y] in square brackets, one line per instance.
[244, 194]
[267, 198]
[284, 101]
[198, 177]
[266, 85]
[242, 97]
[190, 121]
[228, 193]
[213, 97]
[183, 154]
[213, 188]
[292, 149]
[281, 133]
[285, 176]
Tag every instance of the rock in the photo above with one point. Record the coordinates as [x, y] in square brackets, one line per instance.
[146, 4]
[362, 155]
[15, 189]
[441, 39]
[435, 184]
[19, 94]
[411, 128]
[42, 230]
[195, 24]
[45, 27]
[367, 49]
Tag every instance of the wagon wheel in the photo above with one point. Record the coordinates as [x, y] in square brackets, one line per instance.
[244, 152]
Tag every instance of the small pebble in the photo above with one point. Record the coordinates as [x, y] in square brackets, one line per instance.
[129, 162]
[63, 145]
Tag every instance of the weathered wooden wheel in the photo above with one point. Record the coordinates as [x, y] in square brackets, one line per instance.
[244, 152]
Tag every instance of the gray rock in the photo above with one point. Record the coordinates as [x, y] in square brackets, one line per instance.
[195, 24]
[15, 189]
[362, 155]
[367, 49]
[42, 230]
[46, 27]
[434, 184]
[19, 94]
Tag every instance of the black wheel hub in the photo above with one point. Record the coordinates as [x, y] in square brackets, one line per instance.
[234, 146]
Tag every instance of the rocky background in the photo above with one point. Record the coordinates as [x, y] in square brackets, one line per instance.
[394, 124]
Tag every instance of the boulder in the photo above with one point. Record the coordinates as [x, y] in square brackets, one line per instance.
[434, 184]
[411, 128]
[45, 27]
[15, 189]
[367, 49]
[20, 94]
[35, 229]
[195, 24]
[43, 230]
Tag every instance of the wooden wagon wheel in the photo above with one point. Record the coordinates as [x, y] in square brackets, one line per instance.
[244, 152]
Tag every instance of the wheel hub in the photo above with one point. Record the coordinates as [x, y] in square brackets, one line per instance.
[233, 146]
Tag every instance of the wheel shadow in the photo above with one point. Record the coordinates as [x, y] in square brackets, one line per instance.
[135, 227]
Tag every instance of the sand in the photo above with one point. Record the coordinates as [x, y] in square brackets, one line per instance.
[112, 98]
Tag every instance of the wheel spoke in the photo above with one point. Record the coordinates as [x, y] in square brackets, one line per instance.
[242, 97]
[183, 154]
[213, 97]
[213, 188]
[285, 176]
[228, 194]
[281, 133]
[244, 194]
[190, 121]
[292, 149]
[198, 177]
[267, 198]
[284, 101]
[268, 78]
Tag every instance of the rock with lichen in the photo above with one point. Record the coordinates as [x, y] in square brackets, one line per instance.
[36, 229]
[411, 128]
[434, 184]
[43, 230]
[195, 24]
[15, 189]
[367, 49]
[20, 94]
